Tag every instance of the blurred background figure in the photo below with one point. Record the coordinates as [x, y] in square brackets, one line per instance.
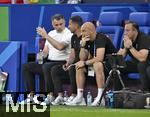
[25, 1]
[57, 1]
[20, 1]
[74, 1]
[13, 1]
[31, 1]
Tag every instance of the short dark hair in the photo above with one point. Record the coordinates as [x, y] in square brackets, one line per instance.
[57, 17]
[134, 24]
[77, 19]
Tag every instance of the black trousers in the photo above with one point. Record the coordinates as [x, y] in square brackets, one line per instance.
[32, 68]
[135, 67]
[148, 74]
[57, 73]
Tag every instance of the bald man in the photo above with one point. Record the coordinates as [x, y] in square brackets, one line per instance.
[94, 47]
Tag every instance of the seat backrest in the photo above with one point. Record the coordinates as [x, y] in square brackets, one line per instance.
[145, 29]
[13, 56]
[111, 18]
[86, 16]
[142, 19]
[111, 24]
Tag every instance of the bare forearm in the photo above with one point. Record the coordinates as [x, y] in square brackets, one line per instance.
[122, 52]
[83, 54]
[138, 55]
[55, 43]
[70, 60]
[45, 54]
[45, 51]
[92, 61]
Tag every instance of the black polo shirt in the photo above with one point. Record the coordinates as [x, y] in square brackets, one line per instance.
[75, 44]
[142, 42]
[101, 41]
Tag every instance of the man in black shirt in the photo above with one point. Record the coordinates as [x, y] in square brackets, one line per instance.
[136, 44]
[68, 69]
[94, 47]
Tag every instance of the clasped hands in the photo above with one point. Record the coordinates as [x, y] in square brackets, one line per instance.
[127, 42]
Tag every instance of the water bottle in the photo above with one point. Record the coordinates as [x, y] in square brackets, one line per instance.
[107, 99]
[111, 99]
[65, 96]
[147, 106]
[40, 57]
[89, 99]
[2, 83]
[3, 98]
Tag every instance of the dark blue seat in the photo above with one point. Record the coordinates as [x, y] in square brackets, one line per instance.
[132, 75]
[142, 19]
[12, 55]
[111, 24]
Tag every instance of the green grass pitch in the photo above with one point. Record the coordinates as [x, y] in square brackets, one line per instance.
[66, 111]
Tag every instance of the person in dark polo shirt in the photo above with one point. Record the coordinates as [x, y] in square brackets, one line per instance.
[68, 69]
[136, 44]
[94, 47]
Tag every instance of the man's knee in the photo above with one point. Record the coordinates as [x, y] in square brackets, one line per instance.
[45, 67]
[98, 66]
[54, 70]
[26, 67]
[81, 70]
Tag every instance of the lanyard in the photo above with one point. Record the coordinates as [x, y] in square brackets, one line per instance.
[94, 49]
